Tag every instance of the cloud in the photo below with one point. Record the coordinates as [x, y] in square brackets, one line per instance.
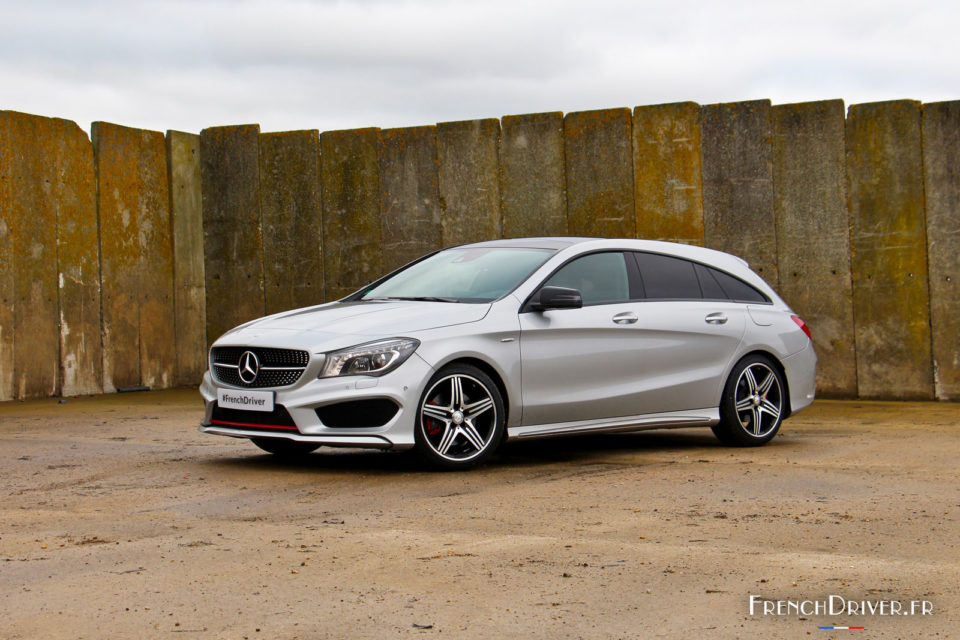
[297, 64]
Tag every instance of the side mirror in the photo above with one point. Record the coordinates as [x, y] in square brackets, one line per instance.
[557, 298]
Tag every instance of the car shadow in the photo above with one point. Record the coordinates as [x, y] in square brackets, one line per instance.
[578, 450]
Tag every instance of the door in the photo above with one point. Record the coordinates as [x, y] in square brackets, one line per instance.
[626, 353]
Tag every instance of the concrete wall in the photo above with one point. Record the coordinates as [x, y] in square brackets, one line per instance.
[124, 256]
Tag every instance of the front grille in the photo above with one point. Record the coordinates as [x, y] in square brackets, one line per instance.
[278, 367]
[278, 419]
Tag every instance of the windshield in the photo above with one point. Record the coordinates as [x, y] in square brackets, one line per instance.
[466, 274]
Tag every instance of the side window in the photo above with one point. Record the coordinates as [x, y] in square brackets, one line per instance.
[666, 277]
[737, 289]
[599, 277]
[709, 285]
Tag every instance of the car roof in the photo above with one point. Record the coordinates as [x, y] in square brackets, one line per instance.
[656, 246]
[555, 243]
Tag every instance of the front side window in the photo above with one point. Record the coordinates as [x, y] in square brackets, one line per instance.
[599, 277]
[467, 274]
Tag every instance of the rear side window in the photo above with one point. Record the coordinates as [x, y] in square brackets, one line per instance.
[666, 277]
[708, 283]
[599, 277]
[737, 289]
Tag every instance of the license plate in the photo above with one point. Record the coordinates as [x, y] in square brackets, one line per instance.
[245, 400]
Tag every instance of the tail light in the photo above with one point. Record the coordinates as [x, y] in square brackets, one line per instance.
[802, 325]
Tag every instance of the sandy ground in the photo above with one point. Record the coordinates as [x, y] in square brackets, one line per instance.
[120, 520]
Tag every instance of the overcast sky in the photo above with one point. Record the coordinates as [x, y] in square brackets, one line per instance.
[333, 65]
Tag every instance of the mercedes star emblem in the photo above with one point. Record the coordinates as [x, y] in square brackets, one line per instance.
[248, 367]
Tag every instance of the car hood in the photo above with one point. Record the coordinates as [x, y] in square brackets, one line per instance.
[337, 324]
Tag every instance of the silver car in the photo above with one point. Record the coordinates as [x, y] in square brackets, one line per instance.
[470, 346]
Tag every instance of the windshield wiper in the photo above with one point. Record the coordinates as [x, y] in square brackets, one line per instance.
[416, 298]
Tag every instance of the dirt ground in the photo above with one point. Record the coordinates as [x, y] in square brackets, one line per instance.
[120, 520]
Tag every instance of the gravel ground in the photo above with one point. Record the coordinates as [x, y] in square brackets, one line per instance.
[120, 520]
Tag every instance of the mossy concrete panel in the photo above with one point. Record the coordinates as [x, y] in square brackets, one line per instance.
[468, 154]
[598, 153]
[7, 267]
[813, 235]
[667, 179]
[30, 172]
[350, 179]
[78, 261]
[186, 221]
[941, 168]
[737, 164]
[232, 247]
[409, 195]
[889, 250]
[136, 251]
[290, 211]
[532, 177]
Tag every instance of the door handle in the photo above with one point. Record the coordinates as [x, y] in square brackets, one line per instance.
[627, 317]
[716, 318]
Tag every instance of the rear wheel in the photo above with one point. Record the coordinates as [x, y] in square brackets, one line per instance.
[285, 448]
[460, 419]
[752, 406]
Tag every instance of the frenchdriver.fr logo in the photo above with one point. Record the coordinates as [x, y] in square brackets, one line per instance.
[836, 606]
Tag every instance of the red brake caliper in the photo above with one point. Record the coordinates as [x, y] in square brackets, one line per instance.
[433, 426]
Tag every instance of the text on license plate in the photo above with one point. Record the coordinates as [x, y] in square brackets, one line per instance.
[245, 400]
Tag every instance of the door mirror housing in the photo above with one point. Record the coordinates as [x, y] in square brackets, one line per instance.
[557, 298]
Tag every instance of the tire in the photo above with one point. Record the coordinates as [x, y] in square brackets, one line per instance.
[285, 448]
[460, 418]
[753, 403]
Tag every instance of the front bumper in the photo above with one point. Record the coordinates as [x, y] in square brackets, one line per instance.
[301, 400]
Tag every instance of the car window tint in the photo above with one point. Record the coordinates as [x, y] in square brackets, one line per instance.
[737, 289]
[599, 277]
[668, 277]
[709, 285]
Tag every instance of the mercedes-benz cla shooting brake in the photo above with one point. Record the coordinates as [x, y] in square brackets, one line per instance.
[470, 346]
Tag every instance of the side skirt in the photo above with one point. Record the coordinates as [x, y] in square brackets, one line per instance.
[669, 420]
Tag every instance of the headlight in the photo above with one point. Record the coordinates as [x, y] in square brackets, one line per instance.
[371, 359]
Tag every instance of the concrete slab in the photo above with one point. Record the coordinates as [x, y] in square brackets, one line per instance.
[941, 179]
[409, 195]
[186, 220]
[668, 181]
[291, 215]
[532, 176]
[7, 270]
[598, 153]
[813, 234]
[469, 181]
[889, 250]
[738, 209]
[232, 247]
[136, 255]
[350, 177]
[29, 164]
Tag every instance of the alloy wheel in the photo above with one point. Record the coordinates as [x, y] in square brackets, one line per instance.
[758, 400]
[458, 417]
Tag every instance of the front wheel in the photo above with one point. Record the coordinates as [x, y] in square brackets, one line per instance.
[285, 448]
[460, 418]
[753, 403]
